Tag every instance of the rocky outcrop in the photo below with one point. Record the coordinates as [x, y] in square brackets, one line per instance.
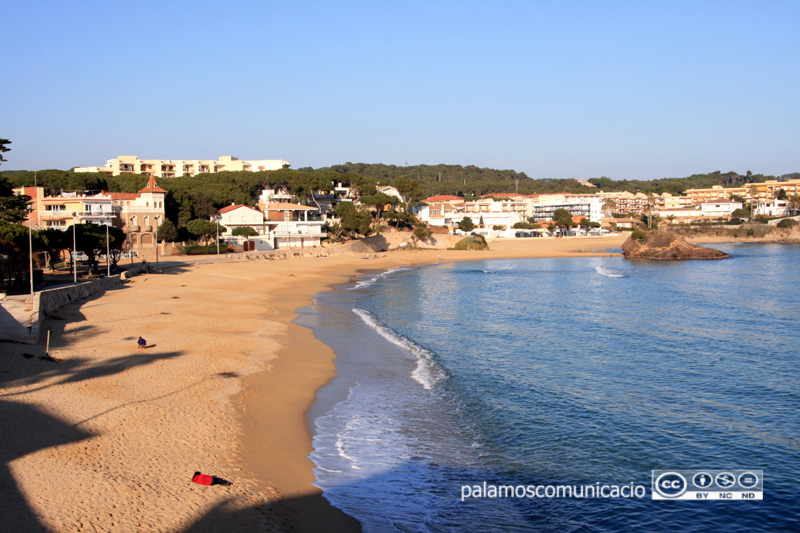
[472, 242]
[665, 245]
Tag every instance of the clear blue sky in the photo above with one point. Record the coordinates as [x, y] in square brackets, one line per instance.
[555, 89]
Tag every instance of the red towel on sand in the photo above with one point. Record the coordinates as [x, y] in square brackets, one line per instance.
[202, 479]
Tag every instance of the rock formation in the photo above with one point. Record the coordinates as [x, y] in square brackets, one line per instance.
[662, 244]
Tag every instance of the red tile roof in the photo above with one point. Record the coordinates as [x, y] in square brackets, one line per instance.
[152, 186]
[443, 198]
[233, 207]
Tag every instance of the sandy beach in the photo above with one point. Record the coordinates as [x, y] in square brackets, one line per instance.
[108, 438]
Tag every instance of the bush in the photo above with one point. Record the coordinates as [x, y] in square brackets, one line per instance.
[196, 249]
[639, 235]
[788, 223]
[751, 232]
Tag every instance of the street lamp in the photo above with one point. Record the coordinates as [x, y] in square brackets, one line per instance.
[108, 254]
[130, 238]
[156, 218]
[30, 244]
[74, 249]
[216, 219]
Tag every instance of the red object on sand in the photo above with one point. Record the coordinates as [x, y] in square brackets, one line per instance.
[202, 479]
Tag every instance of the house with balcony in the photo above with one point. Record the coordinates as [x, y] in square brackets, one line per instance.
[139, 214]
[66, 209]
[293, 225]
[237, 216]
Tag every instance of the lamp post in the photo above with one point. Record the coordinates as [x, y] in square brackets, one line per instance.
[108, 254]
[74, 249]
[30, 244]
[130, 238]
[216, 219]
[156, 218]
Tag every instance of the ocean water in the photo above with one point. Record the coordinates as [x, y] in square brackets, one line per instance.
[572, 371]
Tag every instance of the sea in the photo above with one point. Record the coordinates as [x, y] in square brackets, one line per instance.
[580, 372]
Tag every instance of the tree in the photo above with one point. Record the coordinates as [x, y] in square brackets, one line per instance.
[466, 225]
[204, 230]
[13, 209]
[352, 220]
[4, 149]
[563, 218]
[379, 200]
[167, 232]
[421, 232]
[410, 189]
[649, 208]
[780, 194]
[794, 202]
[53, 242]
[91, 240]
[609, 204]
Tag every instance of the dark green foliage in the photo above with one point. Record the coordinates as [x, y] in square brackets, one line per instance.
[788, 223]
[4, 148]
[639, 235]
[742, 212]
[196, 249]
[526, 225]
[244, 231]
[91, 240]
[204, 230]
[761, 218]
[466, 225]
[167, 232]
[563, 218]
[13, 209]
[352, 220]
[399, 220]
[422, 232]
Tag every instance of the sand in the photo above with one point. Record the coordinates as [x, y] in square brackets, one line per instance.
[108, 439]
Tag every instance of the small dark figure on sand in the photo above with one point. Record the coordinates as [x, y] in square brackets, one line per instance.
[142, 343]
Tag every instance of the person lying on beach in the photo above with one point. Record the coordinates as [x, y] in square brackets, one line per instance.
[142, 343]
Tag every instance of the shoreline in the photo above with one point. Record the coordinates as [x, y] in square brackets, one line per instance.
[303, 502]
[109, 437]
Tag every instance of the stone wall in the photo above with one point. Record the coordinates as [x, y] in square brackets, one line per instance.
[49, 300]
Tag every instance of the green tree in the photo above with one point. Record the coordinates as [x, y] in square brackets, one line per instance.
[563, 218]
[466, 225]
[167, 232]
[13, 209]
[4, 149]
[204, 230]
[91, 240]
[379, 201]
[410, 189]
[53, 242]
[352, 220]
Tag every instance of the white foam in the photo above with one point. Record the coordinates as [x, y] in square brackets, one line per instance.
[609, 272]
[366, 282]
[427, 373]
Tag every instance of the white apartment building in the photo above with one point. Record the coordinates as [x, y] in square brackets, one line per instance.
[173, 168]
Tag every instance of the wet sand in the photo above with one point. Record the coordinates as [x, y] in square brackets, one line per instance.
[108, 439]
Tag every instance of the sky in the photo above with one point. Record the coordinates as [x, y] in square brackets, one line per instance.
[578, 89]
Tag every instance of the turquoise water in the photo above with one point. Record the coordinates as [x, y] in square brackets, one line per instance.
[561, 371]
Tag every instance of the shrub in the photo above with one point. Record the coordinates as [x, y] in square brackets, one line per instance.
[751, 232]
[196, 249]
[639, 235]
[473, 242]
[788, 223]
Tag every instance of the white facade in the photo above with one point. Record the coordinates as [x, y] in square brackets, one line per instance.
[173, 168]
[719, 208]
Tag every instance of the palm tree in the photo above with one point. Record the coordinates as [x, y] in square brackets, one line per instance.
[609, 204]
[651, 203]
[753, 197]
